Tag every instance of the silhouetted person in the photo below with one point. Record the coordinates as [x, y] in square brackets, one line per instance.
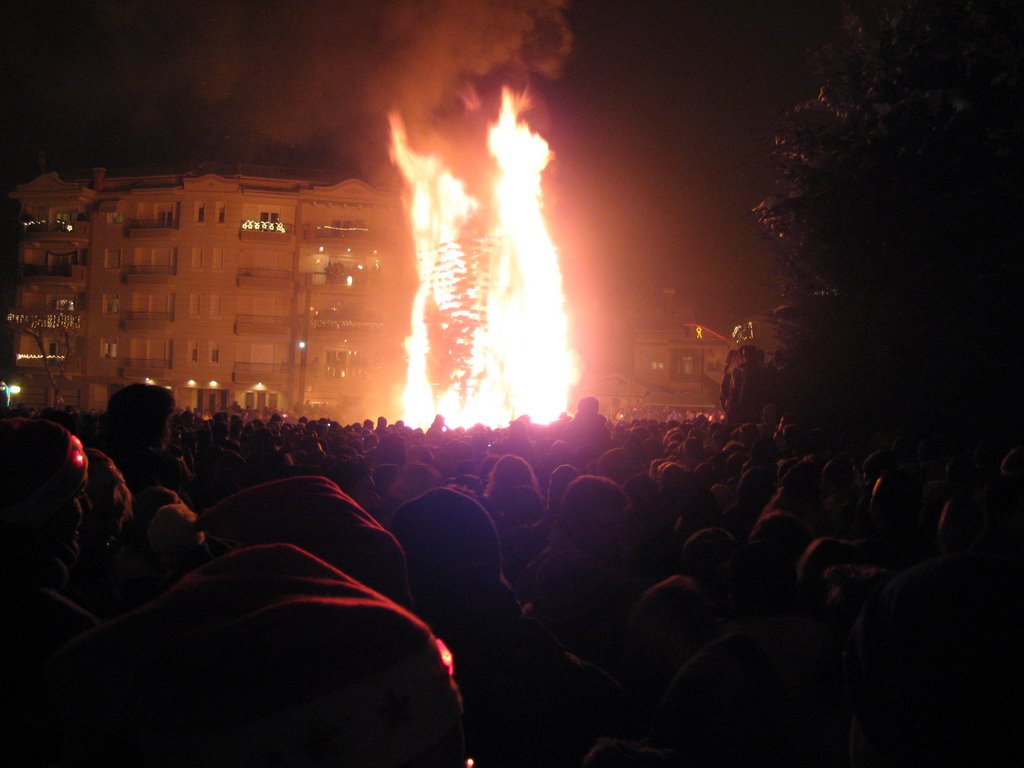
[43, 470]
[935, 666]
[587, 434]
[527, 701]
[751, 386]
[138, 432]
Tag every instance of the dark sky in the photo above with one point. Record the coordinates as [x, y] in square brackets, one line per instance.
[659, 111]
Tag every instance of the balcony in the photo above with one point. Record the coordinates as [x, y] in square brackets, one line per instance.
[55, 230]
[350, 281]
[151, 228]
[55, 274]
[254, 373]
[338, 326]
[144, 367]
[147, 321]
[35, 361]
[265, 279]
[315, 233]
[149, 274]
[262, 325]
[42, 320]
[255, 231]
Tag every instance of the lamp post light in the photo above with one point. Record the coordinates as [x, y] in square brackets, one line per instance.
[302, 376]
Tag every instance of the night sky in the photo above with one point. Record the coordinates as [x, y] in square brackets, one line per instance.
[659, 112]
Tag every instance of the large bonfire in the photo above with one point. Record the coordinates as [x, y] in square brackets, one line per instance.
[489, 338]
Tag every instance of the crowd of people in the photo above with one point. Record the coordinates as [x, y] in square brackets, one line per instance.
[255, 590]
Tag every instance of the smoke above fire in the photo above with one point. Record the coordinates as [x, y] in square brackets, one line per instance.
[309, 83]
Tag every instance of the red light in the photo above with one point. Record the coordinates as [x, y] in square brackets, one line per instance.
[446, 656]
[79, 459]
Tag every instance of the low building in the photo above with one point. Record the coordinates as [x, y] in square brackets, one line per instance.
[677, 368]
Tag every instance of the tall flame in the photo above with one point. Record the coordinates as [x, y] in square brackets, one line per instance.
[489, 338]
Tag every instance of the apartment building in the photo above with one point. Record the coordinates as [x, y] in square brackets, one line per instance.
[226, 284]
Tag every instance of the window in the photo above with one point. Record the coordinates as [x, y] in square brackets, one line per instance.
[340, 363]
[164, 213]
[214, 351]
[271, 216]
[221, 212]
[197, 258]
[215, 307]
[65, 220]
[193, 351]
[111, 303]
[64, 305]
[216, 258]
[200, 213]
[112, 258]
[684, 365]
[193, 305]
[108, 348]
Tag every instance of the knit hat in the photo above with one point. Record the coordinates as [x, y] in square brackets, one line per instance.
[42, 468]
[314, 514]
[264, 656]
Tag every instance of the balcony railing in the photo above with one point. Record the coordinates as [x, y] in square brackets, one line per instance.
[160, 223]
[151, 228]
[149, 363]
[265, 274]
[150, 269]
[149, 274]
[265, 319]
[266, 231]
[75, 273]
[45, 270]
[263, 324]
[344, 324]
[63, 227]
[164, 316]
[249, 371]
[60, 319]
[331, 232]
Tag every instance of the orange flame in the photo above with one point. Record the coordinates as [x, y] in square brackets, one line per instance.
[489, 338]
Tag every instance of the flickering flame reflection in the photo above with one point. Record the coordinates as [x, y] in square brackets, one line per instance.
[489, 336]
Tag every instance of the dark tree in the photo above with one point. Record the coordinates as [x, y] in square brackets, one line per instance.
[898, 223]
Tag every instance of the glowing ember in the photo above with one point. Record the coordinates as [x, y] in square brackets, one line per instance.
[489, 331]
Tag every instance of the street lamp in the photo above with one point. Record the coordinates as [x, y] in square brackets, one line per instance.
[302, 376]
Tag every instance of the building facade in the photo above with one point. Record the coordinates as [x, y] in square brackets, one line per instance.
[227, 285]
[674, 369]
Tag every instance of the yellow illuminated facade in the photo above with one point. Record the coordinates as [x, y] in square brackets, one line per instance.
[241, 284]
